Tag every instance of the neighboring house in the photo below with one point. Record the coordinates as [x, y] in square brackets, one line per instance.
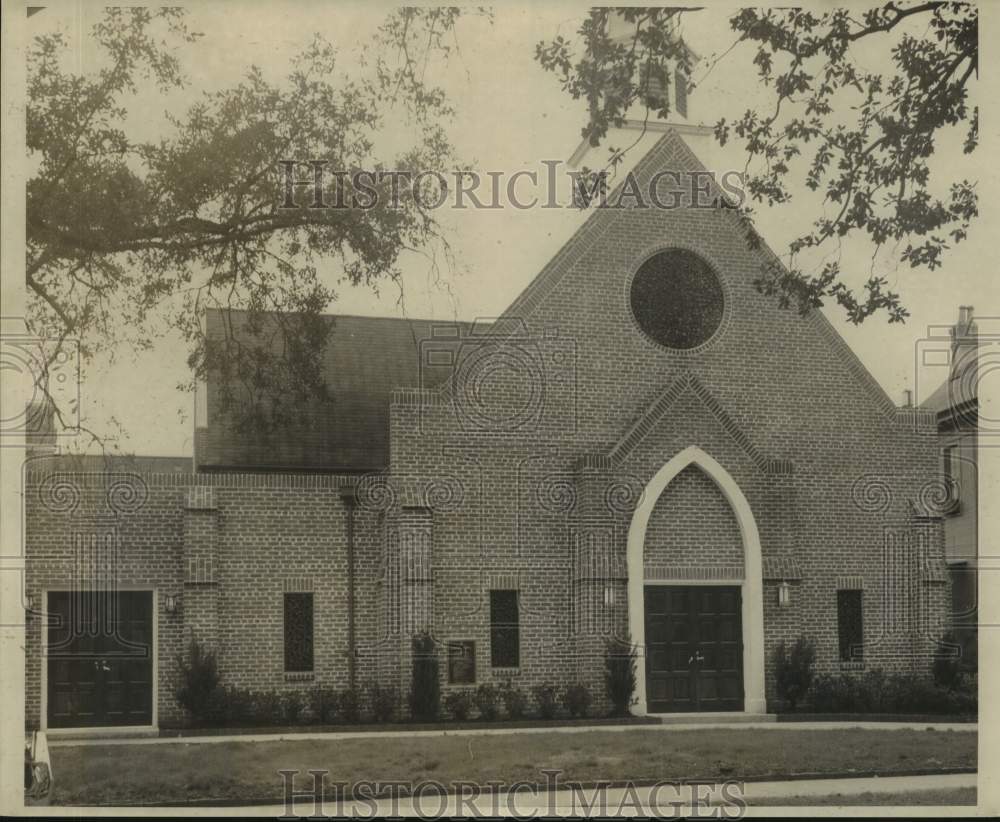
[956, 406]
[643, 446]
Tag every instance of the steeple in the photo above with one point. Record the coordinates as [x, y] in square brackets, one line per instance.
[620, 31]
[639, 118]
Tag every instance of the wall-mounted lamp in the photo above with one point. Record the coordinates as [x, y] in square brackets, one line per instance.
[784, 594]
[171, 603]
[29, 602]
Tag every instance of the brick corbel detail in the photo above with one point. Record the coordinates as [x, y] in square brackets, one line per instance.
[689, 382]
[598, 526]
[405, 592]
[200, 600]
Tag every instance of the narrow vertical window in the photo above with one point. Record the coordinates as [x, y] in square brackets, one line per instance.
[849, 626]
[680, 83]
[953, 478]
[298, 632]
[505, 640]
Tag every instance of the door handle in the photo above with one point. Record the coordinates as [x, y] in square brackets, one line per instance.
[102, 666]
[696, 658]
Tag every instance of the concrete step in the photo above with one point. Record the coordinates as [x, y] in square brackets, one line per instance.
[713, 718]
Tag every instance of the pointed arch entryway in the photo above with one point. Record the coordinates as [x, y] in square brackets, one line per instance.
[751, 585]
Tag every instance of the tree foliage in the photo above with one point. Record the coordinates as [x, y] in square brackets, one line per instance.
[862, 138]
[128, 237]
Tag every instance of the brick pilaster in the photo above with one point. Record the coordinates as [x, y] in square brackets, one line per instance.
[200, 602]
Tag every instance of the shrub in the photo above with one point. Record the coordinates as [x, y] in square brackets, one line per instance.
[576, 700]
[487, 701]
[515, 703]
[199, 681]
[964, 701]
[323, 704]
[459, 703]
[215, 710]
[547, 697]
[237, 705]
[291, 706]
[947, 662]
[619, 676]
[876, 692]
[425, 688]
[793, 671]
[349, 705]
[268, 708]
[383, 701]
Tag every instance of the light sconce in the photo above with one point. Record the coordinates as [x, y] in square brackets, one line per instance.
[784, 594]
[171, 603]
[29, 602]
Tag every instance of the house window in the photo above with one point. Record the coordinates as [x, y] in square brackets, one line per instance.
[298, 632]
[849, 626]
[462, 662]
[677, 299]
[952, 472]
[680, 82]
[504, 630]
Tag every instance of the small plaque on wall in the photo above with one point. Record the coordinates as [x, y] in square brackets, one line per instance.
[462, 662]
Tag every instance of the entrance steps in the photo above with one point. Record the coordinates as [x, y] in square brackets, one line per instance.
[712, 718]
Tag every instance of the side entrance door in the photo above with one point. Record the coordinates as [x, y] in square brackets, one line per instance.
[100, 658]
[694, 648]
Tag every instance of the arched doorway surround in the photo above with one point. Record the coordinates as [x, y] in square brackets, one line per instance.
[752, 583]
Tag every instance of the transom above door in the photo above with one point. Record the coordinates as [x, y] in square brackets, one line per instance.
[694, 648]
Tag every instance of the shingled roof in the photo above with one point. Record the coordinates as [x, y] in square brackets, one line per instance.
[366, 358]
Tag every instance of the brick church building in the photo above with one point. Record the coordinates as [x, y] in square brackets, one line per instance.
[642, 446]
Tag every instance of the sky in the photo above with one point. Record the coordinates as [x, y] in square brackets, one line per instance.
[510, 115]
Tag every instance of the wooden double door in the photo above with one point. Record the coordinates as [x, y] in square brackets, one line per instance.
[99, 650]
[694, 648]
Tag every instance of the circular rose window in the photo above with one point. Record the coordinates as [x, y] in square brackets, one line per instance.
[677, 299]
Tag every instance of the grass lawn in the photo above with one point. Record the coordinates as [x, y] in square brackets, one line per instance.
[178, 771]
[946, 796]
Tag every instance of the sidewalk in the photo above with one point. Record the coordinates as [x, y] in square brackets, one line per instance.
[665, 800]
[55, 740]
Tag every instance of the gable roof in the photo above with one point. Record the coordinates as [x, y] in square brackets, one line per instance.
[370, 357]
[671, 151]
[366, 358]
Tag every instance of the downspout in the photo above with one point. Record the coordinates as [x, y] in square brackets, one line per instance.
[347, 495]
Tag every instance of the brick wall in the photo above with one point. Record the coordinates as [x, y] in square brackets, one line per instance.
[692, 528]
[230, 546]
[830, 467]
[526, 477]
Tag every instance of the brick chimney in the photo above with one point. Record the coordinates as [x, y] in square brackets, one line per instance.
[964, 332]
[964, 357]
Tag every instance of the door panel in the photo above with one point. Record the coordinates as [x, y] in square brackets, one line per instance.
[100, 658]
[694, 648]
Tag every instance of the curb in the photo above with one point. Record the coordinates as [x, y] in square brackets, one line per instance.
[397, 727]
[930, 719]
